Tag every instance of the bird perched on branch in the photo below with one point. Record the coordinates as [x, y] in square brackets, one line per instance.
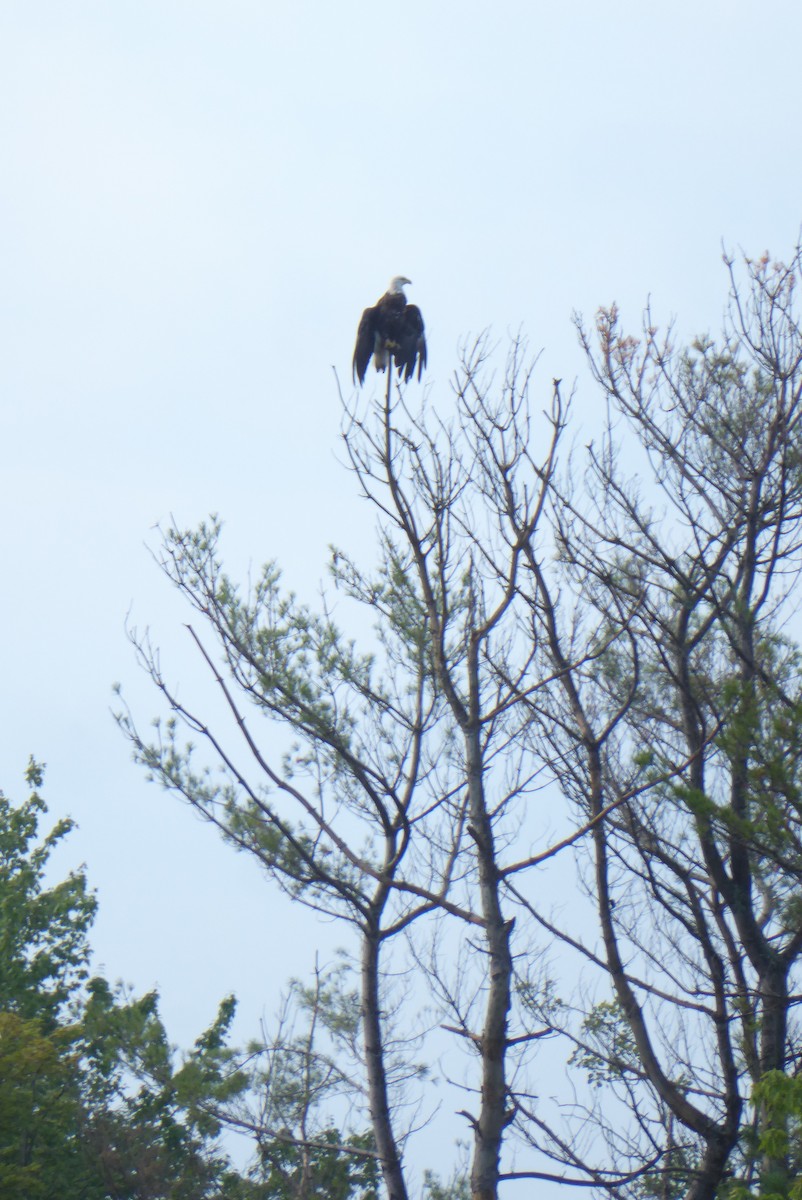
[390, 331]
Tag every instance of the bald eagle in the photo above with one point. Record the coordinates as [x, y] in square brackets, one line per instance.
[391, 330]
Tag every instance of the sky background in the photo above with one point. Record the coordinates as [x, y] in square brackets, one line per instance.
[197, 200]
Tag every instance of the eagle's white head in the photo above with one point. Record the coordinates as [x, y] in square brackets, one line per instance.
[397, 284]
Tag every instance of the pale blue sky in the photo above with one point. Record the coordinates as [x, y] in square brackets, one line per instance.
[197, 200]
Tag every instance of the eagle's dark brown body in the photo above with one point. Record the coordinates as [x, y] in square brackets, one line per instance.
[390, 331]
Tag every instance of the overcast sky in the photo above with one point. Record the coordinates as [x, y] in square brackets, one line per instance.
[196, 202]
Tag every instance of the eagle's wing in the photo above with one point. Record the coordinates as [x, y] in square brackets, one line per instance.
[411, 342]
[365, 343]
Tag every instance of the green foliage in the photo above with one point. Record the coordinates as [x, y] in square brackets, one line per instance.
[295, 1078]
[457, 1188]
[39, 1109]
[43, 930]
[164, 1118]
[293, 1172]
[92, 1104]
[779, 1098]
[348, 729]
[609, 1047]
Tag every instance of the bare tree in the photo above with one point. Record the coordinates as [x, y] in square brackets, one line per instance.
[408, 763]
[681, 743]
[461, 504]
[613, 642]
[299, 1095]
[331, 822]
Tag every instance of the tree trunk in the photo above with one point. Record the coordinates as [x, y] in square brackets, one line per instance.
[378, 1100]
[494, 1115]
[773, 1034]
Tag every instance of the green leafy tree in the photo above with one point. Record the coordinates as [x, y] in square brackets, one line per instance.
[92, 1102]
[44, 949]
[39, 1110]
[321, 1171]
